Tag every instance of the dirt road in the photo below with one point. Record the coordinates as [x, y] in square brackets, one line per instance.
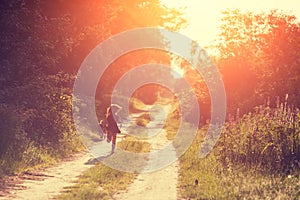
[158, 185]
[155, 185]
[47, 183]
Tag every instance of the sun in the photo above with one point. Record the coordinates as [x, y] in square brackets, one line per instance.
[203, 19]
[178, 72]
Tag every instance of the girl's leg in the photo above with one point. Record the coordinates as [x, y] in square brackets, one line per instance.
[114, 138]
[109, 135]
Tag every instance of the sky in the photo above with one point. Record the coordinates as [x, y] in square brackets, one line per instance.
[204, 16]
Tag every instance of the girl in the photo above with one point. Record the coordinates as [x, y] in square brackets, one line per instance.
[112, 127]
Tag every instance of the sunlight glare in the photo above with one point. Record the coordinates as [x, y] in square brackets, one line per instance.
[179, 72]
[204, 17]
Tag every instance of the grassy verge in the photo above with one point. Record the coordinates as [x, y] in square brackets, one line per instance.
[31, 139]
[32, 158]
[102, 182]
[218, 182]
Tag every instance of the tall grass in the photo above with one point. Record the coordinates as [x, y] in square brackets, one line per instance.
[17, 152]
[256, 157]
[216, 181]
[268, 139]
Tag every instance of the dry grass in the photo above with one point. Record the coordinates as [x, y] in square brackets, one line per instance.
[102, 182]
[255, 158]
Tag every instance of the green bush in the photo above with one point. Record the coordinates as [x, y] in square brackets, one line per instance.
[36, 129]
[13, 141]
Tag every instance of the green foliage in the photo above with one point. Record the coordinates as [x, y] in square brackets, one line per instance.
[267, 139]
[36, 124]
[256, 157]
[42, 46]
[216, 181]
[258, 56]
[12, 145]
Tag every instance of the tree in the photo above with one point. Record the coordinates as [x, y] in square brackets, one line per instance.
[42, 45]
[258, 55]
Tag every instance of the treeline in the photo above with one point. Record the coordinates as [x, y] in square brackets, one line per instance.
[42, 46]
[258, 153]
[258, 58]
